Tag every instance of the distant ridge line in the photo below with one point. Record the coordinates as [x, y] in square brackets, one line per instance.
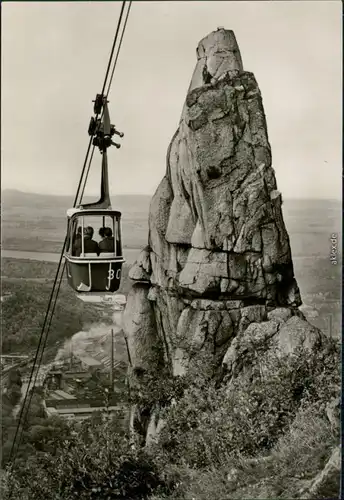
[9, 191]
[18, 192]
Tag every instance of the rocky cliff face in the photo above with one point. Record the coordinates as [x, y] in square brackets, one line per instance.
[217, 273]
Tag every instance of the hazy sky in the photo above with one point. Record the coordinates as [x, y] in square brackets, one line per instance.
[54, 57]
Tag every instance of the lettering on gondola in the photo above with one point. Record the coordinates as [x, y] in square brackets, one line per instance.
[111, 274]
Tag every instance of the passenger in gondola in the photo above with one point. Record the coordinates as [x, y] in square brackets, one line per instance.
[107, 244]
[77, 241]
[101, 232]
[90, 246]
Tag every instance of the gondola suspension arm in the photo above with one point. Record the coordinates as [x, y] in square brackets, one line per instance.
[101, 99]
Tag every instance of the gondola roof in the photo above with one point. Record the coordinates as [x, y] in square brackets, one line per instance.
[92, 211]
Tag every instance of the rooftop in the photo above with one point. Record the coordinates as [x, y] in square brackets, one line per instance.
[87, 360]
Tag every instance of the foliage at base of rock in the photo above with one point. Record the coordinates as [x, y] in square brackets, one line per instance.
[92, 463]
[263, 438]
[207, 425]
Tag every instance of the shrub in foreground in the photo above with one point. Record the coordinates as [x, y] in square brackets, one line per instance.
[94, 462]
[209, 427]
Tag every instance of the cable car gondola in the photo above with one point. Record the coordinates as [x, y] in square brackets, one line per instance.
[94, 268]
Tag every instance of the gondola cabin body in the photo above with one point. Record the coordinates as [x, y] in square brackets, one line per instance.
[94, 261]
[93, 248]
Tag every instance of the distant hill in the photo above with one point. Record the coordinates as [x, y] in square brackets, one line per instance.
[35, 222]
[38, 222]
[12, 198]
